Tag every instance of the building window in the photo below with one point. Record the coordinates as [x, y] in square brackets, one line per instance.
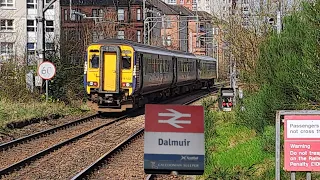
[65, 14]
[32, 4]
[138, 14]
[31, 26]
[49, 46]
[168, 23]
[49, 26]
[169, 40]
[47, 2]
[6, 48]
[73, 16]
[139, 36]
[6, 24]
[166, 40]
[31, 46]
[94, 13]
[120, 34]
[6, 3]
[120, 14]
[172, 1]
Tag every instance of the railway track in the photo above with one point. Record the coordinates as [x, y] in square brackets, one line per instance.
[117, 168]
[23, 144]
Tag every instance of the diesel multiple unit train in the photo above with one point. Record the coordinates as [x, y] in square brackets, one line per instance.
[121, 74]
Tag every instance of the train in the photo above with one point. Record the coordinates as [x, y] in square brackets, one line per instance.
[121, 74]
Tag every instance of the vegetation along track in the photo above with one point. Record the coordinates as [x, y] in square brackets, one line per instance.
[125, 160]
[99, 131]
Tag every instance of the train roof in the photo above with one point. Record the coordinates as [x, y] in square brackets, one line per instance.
[155, 49]
[205, 58]
[148, 48]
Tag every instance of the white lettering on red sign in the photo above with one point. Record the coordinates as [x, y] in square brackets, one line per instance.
[302, 143]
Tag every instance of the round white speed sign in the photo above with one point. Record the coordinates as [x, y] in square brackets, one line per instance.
[46, 70]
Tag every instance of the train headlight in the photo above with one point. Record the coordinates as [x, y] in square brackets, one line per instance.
[126, 84]
[93, 83]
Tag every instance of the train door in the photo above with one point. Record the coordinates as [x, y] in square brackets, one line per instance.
[111, 76]
[140, 70]
[174, 69]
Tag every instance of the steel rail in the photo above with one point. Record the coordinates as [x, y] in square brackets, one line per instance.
[88, 170]
[15, 142]
[150, 177]
[29, 159]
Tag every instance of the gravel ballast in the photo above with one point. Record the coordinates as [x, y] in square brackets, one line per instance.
[71, 159]
[17, 153]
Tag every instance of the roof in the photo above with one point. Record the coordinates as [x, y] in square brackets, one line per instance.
[203, 14]
[99, 2]
[206, 58]
[163, 7]
[181, 10]
[159, 4]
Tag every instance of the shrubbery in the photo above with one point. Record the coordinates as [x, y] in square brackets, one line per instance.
[287, 72]
[66, 86]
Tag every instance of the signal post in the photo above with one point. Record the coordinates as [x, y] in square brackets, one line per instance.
[41, 35]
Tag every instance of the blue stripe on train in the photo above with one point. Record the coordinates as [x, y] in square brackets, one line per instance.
[134, 77]
[85, 74]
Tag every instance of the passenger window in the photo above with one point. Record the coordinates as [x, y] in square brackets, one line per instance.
[126, 62]
[94, 63]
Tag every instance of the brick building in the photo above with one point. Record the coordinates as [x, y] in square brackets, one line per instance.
[103, 19]
[123, 20]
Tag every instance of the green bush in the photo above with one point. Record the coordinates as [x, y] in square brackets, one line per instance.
[287, 72]
[13, 82]
[67, 85]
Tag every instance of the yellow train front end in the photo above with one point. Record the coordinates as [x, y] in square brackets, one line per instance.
[109, 76]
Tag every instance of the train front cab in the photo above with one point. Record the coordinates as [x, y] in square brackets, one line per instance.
[109, 77]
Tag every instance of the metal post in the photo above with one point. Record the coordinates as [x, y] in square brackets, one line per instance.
[144, 22]
[149, 33]
[164, 29]
[234, 81]
[278, 124]
[308, 175]
[40, 32]
[279, 23]
[197, 23]
[70, 8]
[293, 175]
[47, 90]
[230, 69]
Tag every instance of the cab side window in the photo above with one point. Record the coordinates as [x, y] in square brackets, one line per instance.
[94, 62]
[126, 62]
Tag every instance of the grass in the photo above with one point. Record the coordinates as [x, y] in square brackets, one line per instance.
[13, 112]
[234, 151]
